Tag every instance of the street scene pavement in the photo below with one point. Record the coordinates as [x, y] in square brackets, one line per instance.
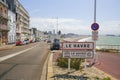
[100, 69]
[23, 62]
[59, 40]
[28, 64]
[109, 63]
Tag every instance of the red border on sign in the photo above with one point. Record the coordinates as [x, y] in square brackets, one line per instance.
[78, 49]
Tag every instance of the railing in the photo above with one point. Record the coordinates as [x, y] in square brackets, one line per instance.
[18, 30]
[3, 3]
[3, 15]
[4, 27]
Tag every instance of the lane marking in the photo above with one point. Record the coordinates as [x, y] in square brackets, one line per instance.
[15, 54]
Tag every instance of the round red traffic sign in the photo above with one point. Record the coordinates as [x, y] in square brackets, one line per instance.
[95, 26]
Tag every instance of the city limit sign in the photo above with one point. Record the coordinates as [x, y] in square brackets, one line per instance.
[77, 46]
[78, 54]
[77, 49]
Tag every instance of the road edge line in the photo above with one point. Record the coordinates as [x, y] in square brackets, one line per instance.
[50, 68]
[45, 69]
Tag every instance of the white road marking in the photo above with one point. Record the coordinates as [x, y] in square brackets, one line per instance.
[14, 54]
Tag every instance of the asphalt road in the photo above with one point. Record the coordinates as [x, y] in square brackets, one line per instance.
[109, 63]
[24, 62]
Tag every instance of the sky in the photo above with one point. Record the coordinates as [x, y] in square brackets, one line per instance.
[74, 16]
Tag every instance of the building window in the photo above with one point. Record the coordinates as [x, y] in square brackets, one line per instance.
[5, 11]
[1, 9]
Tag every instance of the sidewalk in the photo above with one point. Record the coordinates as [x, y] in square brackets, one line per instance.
[6, 47]
[55, 72]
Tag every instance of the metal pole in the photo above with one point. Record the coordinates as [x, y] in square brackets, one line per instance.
[85, 65]
[69, 65]
[57, 28]
[0, 38]
[94, 11]
[95, 55]
[95, 22]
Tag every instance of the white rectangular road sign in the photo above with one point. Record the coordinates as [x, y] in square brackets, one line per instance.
[77, 46]
[94, 35]
[78, 54]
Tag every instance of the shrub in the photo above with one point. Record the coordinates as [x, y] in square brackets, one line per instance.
[107, 78]
[75, 63]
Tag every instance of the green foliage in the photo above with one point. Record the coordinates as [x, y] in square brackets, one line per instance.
[107, 78]
[97, 78]
[75, 63]
[62, 62]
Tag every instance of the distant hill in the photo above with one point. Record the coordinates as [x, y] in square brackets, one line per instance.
[110, 35]
[71, 34]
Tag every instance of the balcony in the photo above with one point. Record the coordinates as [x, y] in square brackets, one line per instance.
[4, 27]
[3, 3]
[18, 31]
[4, 16]
[24, 32]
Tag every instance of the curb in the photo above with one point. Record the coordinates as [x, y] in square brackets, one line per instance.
[44, 71]
[50, 68]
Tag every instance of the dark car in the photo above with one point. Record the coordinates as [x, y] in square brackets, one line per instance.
[55, 45]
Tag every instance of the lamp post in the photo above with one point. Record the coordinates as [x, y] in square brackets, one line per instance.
[57, 28]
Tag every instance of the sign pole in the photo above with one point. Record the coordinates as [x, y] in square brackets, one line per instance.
[85, 65]
[69, 65]
[94, 51]
[94, 11]
[94, 22]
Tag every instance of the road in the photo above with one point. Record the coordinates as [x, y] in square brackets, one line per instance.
[23, 62]
[109, 63]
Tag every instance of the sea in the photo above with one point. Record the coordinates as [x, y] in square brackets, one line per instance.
[106, 42]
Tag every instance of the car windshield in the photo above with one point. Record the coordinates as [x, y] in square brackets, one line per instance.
[56, 40]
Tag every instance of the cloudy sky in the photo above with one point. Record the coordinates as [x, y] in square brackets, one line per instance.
[74, 16]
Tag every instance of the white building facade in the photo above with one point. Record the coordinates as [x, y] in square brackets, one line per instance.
[12, 26]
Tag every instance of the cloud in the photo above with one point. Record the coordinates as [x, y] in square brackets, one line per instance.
[69, 25]
[110, 27]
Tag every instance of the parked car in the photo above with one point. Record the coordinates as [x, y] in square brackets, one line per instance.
[26, 41]
[55, 45]
[18, 42]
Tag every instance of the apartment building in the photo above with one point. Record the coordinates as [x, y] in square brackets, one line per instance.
[22, 19]
[11, 23]
[22, 22]
[12, 26]
[33, 32]
[3, 22]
